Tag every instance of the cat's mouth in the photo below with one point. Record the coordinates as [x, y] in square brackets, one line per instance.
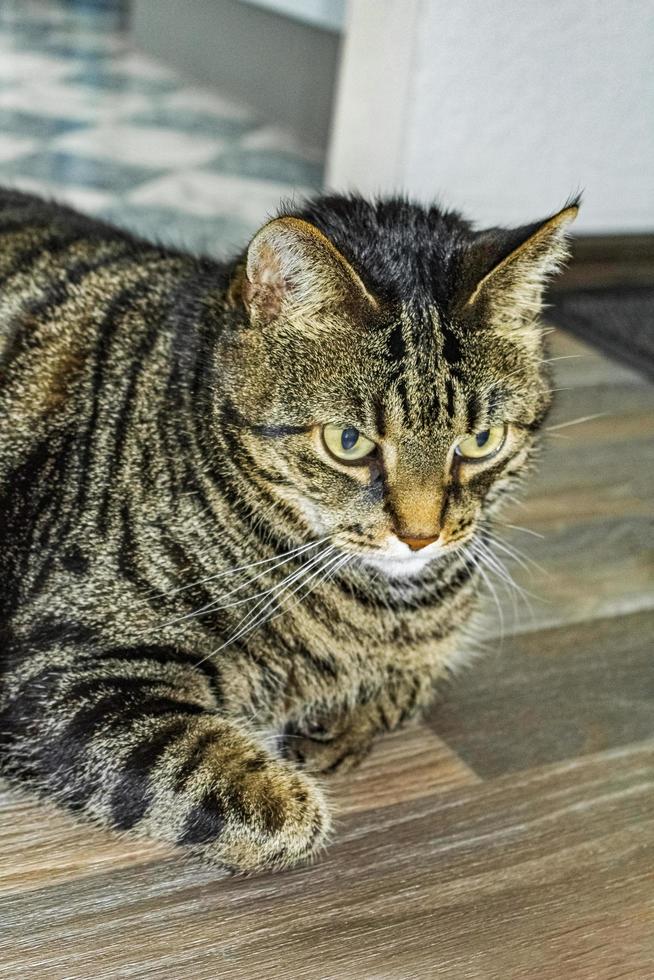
[410, 567]
[398, 559]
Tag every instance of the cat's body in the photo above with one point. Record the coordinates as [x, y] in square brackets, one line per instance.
[164, 496]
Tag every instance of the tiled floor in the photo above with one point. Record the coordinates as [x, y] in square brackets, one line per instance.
[87, 119]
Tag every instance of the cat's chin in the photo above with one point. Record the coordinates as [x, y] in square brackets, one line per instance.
[411, 566]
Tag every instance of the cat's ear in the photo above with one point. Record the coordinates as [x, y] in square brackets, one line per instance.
[512, 269]
[294, 272]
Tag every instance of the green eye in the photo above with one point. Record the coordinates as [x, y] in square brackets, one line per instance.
[348, 445]
[481, 444]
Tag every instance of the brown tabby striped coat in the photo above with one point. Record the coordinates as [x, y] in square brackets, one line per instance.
[167, 499]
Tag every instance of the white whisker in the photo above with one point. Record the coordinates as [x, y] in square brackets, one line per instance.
[241, 568]
[500, 569]
[330, 568]
[562, 357]
[515, 501]
[216, 604]
[583, 418]
[526, 530]
[518, 556]
[256, 616]
[494, 564]
[476, 561]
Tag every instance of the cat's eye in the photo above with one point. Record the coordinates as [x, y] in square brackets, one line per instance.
[479, 445]
[347, 445]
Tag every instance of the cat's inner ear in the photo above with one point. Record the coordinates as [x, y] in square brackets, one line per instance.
[513, 267]
[294, 272]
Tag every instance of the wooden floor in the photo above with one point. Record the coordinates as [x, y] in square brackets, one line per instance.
[510, 836]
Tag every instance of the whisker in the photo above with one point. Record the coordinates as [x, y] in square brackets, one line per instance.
[518, 556]
[240, 568]
[583, 418]
[562, 357]
[496, 600]
[507, 551]
[260, 618]
[217, 604]
[515, 501]
[256, 614]
[476, 562]
[507, 581]
[526, 530]
[494, 562]
[332, 566]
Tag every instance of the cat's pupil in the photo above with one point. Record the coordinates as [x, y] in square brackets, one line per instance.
[349, 437]
[482, 438]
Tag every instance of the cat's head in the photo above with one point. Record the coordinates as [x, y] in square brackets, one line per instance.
[387, 373]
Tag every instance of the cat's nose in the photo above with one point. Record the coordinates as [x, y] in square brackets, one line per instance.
[417, 543]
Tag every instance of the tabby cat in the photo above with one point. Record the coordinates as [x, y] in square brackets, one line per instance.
[243, 506]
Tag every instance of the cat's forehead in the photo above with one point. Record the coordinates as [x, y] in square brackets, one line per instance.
[416, 371]
[422, 343]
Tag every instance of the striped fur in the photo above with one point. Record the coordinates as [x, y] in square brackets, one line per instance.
[165, 502]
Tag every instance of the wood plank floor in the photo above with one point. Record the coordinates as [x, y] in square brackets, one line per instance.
[511, 835]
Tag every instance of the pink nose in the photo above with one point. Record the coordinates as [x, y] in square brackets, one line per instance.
[417, 543]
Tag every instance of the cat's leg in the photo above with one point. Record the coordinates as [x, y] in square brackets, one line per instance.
[339, 740]
[134, 737]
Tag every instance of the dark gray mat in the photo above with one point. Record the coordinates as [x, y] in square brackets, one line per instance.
[617, 319]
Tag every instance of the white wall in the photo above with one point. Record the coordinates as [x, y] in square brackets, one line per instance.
[501, 108]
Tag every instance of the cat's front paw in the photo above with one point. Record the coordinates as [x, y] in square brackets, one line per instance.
[279, 818]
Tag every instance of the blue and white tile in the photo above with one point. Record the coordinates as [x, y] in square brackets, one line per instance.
[201, 192]
[274, 165]
[87, 120]
[195, 98]
[227, 128]
[21, 66]
[81, 171]
[217, 235]
[140, 65]
[32, 13]
[76, 102]
[147, 146]
[62, 14]
[14, 147]
[75, 41]
[22, 36]
[85, 199]
[277, 139]
[58, 43]
[79, 52]
[107, 78]
[34, 124]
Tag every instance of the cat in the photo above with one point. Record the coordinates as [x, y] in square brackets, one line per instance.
[244, 506]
